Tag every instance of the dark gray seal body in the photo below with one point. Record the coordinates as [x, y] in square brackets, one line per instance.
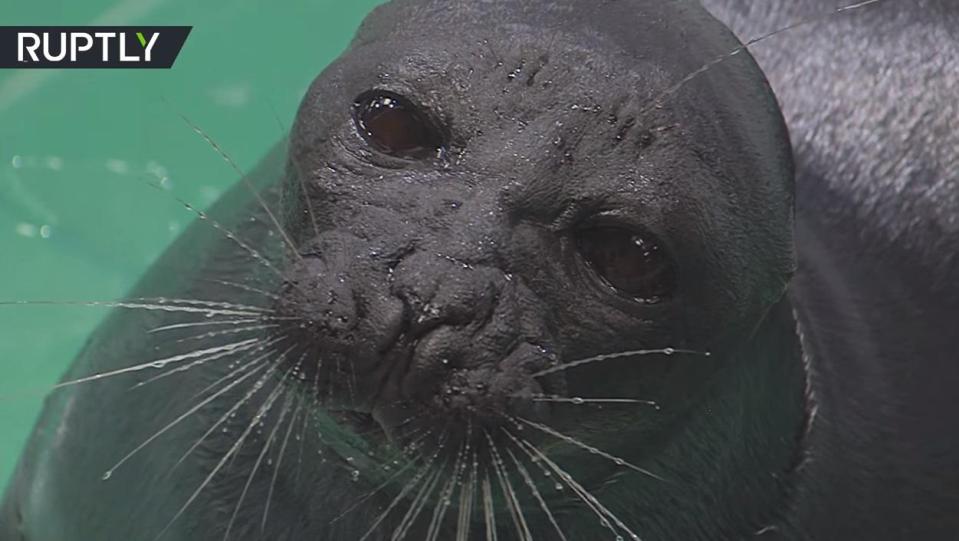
[532, 270]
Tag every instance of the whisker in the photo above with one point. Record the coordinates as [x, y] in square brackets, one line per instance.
[578, 401]
[133, 305]
[618, 355]
[396, 475]
[253, 252]
[109, 473]
[243, 287]
[259, 460]
[420, 474]
[205, 303]
[406, 489]
[604, 514]
[466, 502]
[256, 193]
[227, 332]
[301, 437]
[263, 410]
[659, 100]
[257, 386]
[159, 364]
[489, 516]
[416, 506]
[571, 440]
[262, 347]
[528, 479]
[279, 463]
[446, 494]
[195, 324]
[509, 494]
[399, 497]
[309, 207]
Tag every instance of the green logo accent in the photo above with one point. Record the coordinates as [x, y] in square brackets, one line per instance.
[143, 40]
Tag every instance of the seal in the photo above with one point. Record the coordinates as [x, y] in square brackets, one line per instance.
[532, 274]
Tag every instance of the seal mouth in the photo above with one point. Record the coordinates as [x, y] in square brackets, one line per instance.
[467, 407]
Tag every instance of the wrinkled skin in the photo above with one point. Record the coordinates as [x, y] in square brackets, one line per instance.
[426, 297]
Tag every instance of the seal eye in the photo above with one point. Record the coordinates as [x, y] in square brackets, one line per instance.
[630, 262]
[393, 125]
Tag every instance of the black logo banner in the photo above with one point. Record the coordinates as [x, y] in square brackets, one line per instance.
[91, 46]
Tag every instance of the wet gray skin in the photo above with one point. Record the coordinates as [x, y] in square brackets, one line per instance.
[528, 270]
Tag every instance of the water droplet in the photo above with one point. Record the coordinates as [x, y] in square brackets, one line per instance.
[54, 163]
[26, 230]
[119, 167]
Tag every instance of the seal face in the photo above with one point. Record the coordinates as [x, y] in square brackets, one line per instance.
[505, 210]
[523, 275]
[496, 280]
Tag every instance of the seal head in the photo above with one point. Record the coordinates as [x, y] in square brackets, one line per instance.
[481, 211]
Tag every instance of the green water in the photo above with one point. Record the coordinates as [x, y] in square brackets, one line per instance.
[79, 148]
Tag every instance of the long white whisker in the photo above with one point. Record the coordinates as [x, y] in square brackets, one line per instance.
[509, 494]
[181, 418]
[573, 441]
[466, 502]
[257, 386]
[261, 347]
[420, 474]
[604, 514]
[279, 463]
[259, 460]
[243, 287]
[267, 405]
[137, 305]
[195, 324]
[489, 515]
[618, 355]
[205, 304]
[528, 479]
[446, 494]
[254, 253]
[256, 193]
[309, 207]
[159, 364]
[416, 506]
[227, 332]
[396, 475]
[199, 362]
[399, 497]
[659, 100]
[579, 401]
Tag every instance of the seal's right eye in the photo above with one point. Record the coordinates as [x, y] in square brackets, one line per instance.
[395, 126]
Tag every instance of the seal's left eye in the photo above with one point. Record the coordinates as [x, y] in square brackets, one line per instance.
[633, 263]
[393, 125]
